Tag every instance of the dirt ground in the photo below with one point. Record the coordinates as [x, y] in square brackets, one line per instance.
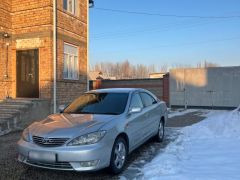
[11, 169]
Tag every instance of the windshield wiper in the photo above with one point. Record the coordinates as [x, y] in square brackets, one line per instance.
[79, 112]
[110, 113]
[85, 113]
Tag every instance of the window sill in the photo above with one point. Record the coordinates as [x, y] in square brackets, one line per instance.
[71, 14]
[72, 81]
[75, 16]
[65, 79]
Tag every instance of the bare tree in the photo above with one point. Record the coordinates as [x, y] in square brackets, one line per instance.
[206, 64]
[126, 70]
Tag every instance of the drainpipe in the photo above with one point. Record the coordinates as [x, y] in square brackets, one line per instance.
[88, 44]
[54, 56]
[6, 75]
[90, 4]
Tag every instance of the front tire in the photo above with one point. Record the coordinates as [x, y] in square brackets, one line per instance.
[161, 131]
[118, 156]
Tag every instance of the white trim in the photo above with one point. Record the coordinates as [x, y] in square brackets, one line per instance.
[71, 44]
[74, 7]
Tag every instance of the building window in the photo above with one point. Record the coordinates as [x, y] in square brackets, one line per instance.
[70, 70]
[70, 6]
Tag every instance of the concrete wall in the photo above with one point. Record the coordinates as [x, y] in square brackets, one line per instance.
[206, 87]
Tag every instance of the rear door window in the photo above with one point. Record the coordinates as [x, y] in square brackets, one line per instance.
[136, 101]
[147, 99]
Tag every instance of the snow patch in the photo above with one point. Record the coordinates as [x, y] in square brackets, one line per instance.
[207, 150]
[181, 112]
[218, 124]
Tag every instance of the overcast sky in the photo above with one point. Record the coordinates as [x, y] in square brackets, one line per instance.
[163, 31]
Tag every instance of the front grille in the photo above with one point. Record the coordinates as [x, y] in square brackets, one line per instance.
[49, 142]
[56, 165]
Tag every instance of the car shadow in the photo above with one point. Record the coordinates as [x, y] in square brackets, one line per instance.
[145, 154]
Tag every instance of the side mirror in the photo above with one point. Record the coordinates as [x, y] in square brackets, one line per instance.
[135, 110]
[61, 108]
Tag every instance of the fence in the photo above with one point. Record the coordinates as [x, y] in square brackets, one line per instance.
[214, 87]
[158, 86]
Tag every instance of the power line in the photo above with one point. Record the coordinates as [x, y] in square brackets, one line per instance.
[142, 29]
[165, 15]
[133, 33]
[180, 44]
[126, 30]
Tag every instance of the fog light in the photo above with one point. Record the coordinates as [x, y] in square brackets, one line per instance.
[21, 158]
[89, 163]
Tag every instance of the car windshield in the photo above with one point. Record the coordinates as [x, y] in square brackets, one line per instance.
[99, 103]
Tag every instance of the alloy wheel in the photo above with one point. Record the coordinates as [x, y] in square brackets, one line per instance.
[161, 130]
[119, 155]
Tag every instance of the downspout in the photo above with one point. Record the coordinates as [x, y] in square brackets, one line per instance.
[54, 56]
[88, 45]
[6, 75]
[90, 4]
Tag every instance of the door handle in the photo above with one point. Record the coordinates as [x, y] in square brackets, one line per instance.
[30, 74]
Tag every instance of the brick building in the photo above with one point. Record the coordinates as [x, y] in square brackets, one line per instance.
[26, 49]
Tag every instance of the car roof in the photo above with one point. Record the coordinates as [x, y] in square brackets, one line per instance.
[117, 90]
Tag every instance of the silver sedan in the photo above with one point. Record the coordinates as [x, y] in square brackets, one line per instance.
[97, 130]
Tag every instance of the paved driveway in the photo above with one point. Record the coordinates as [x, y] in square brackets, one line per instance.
[13, 170]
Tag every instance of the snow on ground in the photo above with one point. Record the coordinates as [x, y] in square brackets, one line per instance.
[181, 112]
[207, 150]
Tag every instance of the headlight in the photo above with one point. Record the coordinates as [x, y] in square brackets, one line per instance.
[25, 135]
[87, 139]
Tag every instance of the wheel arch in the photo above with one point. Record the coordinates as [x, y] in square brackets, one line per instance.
[163, 120]
[125, 137]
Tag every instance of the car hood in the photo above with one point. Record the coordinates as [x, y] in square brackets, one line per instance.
[69, 125]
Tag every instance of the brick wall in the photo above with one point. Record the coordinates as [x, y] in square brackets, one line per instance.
[156, 86]
[32, 29]
[68, 90]
[72, 29]
[5, 26]
[166, 88]
[30, 24]
[5, 18]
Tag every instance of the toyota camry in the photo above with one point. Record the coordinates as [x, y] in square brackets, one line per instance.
[97, 130]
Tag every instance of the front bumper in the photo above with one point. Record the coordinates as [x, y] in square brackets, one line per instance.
[79, 158]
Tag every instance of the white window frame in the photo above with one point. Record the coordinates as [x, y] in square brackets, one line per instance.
[74, 9]
[71, 64]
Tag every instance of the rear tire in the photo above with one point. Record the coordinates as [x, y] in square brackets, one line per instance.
[118, 156]
[161, 132]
